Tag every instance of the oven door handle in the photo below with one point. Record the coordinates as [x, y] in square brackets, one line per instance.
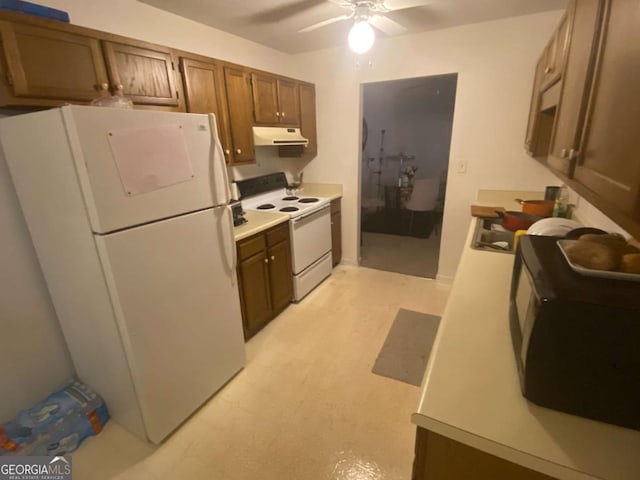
[311, 215]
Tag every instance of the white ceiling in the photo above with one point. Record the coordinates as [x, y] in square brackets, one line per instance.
[275, 23]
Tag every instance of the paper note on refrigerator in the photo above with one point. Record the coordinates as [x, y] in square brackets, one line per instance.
[150, 158]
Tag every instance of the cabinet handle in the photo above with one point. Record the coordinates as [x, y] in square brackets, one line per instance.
[273, 257]
[277, 114]
[119, 87]
[227, 151]
[282, 114]
[573, 153]
[564, 153]
[102, 86]
[266, 260]
[548, 70]
[238, 151]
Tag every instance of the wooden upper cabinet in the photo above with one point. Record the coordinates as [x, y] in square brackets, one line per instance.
[237, 86]
[44, 63]
[265, 98]
[204, 93]
[143, 72]
[533, 125]
[585, 18]
[288, 102]
[276, 101]
[556, 53]
[308, 116]
[608, 163]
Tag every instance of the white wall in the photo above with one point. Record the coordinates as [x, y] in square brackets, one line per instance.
[36, 360]
[495, 63]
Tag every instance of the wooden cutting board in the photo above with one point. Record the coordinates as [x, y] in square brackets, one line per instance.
[485, 212]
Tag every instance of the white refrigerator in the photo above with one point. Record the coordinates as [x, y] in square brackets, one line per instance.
[128, 212]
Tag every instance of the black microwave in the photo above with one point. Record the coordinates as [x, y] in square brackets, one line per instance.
[576, 338]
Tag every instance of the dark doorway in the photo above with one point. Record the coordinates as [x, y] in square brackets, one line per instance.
[404, 171]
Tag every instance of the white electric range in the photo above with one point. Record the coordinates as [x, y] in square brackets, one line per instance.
[309, 222]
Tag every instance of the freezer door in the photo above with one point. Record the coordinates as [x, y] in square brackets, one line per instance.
[178, 312]
[138, 166]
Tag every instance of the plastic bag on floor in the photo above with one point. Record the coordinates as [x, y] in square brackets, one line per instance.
[56, 425]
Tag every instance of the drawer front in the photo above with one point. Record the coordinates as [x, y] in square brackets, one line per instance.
[278, 234]
[251, 246]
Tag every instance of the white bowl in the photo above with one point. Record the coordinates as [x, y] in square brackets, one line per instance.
[553, 227]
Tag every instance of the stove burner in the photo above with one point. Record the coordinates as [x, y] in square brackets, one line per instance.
[288, 199]
[289, 209]
[309, 200]
[265, 206]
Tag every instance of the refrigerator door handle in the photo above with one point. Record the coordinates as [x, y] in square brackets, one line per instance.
[234, 253]
[217, 162]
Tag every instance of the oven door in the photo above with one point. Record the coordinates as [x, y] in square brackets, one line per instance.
[310, 238]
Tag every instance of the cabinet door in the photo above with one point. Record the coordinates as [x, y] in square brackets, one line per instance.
[530, 142]
[336, 232]
[239, 108]
[609, 157]
[265, 99]
[555, 54]
[146, 75]
[289, 102]
[253, 277]
[585, 19]
[204, 93]
[308, 116]
[280, 276]
[52, 64]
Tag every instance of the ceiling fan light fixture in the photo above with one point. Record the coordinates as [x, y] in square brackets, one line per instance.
[361, 37]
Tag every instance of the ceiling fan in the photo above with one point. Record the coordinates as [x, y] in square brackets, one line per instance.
[366, 13]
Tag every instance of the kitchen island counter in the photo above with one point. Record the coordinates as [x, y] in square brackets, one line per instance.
[471, 392]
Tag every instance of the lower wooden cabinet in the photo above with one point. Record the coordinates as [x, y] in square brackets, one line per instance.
[336, 231]
[264, 277]
[441, 458]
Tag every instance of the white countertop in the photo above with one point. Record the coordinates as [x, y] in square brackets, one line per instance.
[260, 221]
[471, 392]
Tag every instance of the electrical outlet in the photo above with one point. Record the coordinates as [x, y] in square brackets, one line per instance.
[461, 166]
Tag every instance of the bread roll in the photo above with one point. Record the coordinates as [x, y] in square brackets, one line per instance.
[630, 263]
[615, 241]
[594, 255]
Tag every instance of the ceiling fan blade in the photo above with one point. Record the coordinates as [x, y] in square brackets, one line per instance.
[283, 12]
[392, 5]
[343, 3]
[325, 23]
[386, 25]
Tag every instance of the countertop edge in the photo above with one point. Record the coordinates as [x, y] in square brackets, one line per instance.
[258, 222]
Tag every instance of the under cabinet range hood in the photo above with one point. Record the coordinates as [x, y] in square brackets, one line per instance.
[277, 136]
